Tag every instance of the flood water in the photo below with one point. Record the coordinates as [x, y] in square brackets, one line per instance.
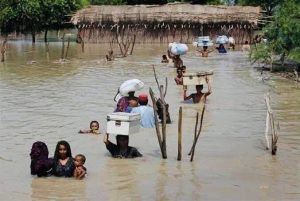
[47, 101]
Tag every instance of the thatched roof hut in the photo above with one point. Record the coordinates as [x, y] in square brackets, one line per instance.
[159, 18]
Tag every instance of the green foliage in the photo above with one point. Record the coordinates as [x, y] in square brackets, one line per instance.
[267, 5]
[295, 54]
[31, 16]
[282, 33]
[262, 53]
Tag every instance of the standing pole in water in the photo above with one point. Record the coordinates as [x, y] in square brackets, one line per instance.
[164, 122]
[179, 134]
[198, 134]
[272, 125]
[267, 131]
[156, 120]
[195, 132]
[63, 48]
[68, 46]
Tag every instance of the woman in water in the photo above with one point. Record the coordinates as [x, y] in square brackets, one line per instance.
[63, 161]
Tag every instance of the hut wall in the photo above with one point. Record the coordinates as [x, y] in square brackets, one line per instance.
[164, 32]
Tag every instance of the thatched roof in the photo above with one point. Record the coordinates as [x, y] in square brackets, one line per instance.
[170, 12]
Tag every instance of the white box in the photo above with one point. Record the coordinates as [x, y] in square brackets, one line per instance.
[122, 123]
[203, 38]
[196, 78]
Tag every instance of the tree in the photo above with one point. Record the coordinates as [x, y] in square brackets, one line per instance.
[33, 16]
[282, 33]
[267, 5]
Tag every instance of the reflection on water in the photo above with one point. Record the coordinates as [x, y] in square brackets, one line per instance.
[41, 99]
[62, 188]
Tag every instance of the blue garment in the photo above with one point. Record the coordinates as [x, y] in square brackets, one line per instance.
[222, 50]
[147, 115]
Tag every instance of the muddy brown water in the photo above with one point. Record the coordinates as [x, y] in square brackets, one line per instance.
[47, 101]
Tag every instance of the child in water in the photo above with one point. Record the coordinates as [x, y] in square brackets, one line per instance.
[199, 94]
[94, 128]
[179, 78]
[80, 170]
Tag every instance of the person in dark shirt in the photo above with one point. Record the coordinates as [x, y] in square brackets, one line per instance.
[63, 161]
[121, 149]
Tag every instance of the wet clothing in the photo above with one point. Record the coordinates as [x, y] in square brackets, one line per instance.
[147, 115]
[67, 170]
[222, 50]
[122, 104]
[40, 165]
[131, 152]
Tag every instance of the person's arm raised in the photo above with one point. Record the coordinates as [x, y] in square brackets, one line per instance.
[184, 95]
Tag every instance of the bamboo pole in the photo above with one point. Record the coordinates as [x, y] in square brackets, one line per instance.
[134, 37]
[164, 122]
[63, 47]
[272, 125]
[156, 121]
[198, 134]
[155, 76]
[267, 131]
[166, 87]
[67, 50]
[195, 132]
[179, 134]
[3, 50]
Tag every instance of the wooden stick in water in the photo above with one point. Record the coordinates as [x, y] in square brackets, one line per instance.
[267, 131]
[156, 121]
[63, 47]
[195, 132]
[198, 134]
[134, 37]
[3, 50]
[164, 122]
[67, 50]
[166, 87]
[179, 134]
[155, 76]
[272, 125]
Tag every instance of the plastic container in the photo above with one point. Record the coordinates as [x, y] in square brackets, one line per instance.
[122, 123]
[196, 78]
[204, 41]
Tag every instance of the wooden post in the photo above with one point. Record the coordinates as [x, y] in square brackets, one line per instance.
[267, 131]
[195, 132]
[156, 121]
[198, 134]
[179, 134]
[163, 129]
[272, 125]
[68, 45]
[63, 47]
[3, 50]
[134, 37]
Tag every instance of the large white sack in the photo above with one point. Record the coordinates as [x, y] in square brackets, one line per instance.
[222, 39]
[179, 49]
[130, 85]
